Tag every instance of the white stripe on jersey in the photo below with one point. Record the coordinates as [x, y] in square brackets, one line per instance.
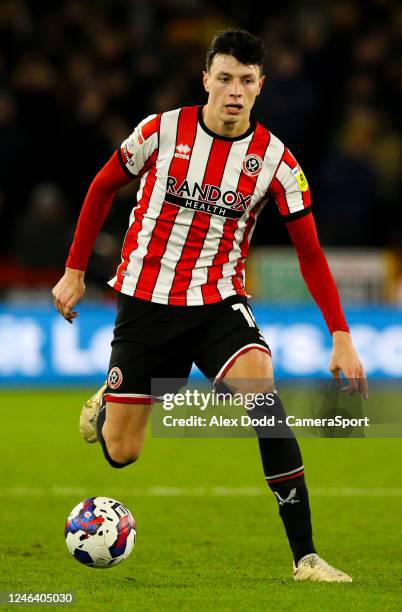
[274, 152]
[141, 189]
[139, 196]
[166, 151]
[196, 170]
[216, 228]
[294, 199]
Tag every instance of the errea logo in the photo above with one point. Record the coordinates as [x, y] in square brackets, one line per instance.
[182, 151]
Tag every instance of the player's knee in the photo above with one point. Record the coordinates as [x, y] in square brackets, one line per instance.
[122, 453]
[252, 372]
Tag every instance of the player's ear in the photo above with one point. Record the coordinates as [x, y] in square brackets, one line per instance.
[261, 83]
[205, 80]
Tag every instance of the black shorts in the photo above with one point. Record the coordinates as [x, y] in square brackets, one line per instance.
[160, 341]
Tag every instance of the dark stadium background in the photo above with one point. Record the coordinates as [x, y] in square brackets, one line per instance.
[76, 76]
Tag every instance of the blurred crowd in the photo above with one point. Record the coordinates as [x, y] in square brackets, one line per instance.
[77, 75]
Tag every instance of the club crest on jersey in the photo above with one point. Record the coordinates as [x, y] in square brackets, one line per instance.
[252, 164]
[300, 177]
[115, 378]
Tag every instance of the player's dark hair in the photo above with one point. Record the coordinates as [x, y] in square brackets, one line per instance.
[245, 47]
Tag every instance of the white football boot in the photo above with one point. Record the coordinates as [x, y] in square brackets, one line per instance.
[312, 567]
[89, 414]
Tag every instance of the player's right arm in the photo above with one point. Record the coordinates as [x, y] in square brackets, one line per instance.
[132, 159]
[71, 287]
[68, 291]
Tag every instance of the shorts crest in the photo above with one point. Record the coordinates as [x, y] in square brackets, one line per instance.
[115, 378]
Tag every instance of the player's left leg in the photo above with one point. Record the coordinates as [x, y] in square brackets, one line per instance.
[234, 351]
[252, 373]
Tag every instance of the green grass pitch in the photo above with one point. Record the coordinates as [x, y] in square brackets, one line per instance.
[209, 534]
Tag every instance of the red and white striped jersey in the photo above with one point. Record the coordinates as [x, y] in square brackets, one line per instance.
[197, 205]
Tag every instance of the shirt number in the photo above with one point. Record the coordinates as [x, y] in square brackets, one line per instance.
[246, 312]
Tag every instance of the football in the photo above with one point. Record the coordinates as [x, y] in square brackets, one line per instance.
[100, 532]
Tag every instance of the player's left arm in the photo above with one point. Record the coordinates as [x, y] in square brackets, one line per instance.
[321, 284]
[290, 189]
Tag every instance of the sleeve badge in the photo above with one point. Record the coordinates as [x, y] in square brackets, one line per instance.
[300, 178]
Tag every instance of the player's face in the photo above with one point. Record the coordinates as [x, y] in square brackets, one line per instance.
[233, 88]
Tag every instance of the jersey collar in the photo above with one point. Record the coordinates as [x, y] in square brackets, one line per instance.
[210, 133]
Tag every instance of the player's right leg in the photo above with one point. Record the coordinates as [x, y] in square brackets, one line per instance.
[89, 415]
[121, 430]
[149, 343]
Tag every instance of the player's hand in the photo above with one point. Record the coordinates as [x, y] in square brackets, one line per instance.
[68, 291]
[345, 359]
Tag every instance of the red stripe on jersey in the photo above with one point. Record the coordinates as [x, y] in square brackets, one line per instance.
[237, 278]
[151, 127]
[289, 159]
[262, 139]
[131, 239]
[199, 225]
[258, 146]
[185, 133]
[278, 192]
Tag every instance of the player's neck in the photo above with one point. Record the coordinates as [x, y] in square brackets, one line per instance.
[223, 128]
